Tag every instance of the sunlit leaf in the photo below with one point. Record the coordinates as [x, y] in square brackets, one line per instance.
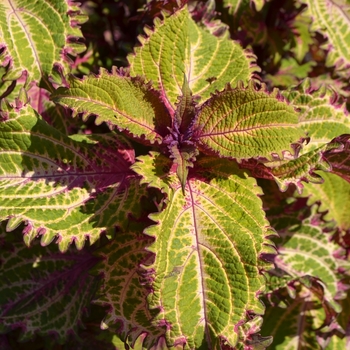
[245, 122]
[332, 19]
[120, 101]
[207, 247]
[178, 47]
[320, 114]
[36, 33]
[73, 189]
[334, 198]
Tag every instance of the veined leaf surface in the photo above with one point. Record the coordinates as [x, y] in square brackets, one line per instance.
[63, 187]
[244, 123]
[307, 262]
[322, 119]
[43, 291]
[332, 19]
[286, 172]
[207, 247]
[334, 196]
[36, 33]
[122, 291]
[178, 46]
[320, 116]
[123, 102]
[306, 250]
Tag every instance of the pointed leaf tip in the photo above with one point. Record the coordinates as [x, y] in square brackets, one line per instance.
[121, 101]
[183, 158]
[179, 46]
[207, 247]
[244, 123]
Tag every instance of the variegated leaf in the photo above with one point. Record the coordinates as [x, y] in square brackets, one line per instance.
[178, 47]
[343, 340]
[207, 248]
[334, 198]
[122, 291]
[122, 102]
[54, 114]
[74, 189]
[35, 34]
[305, 250]
[294, 171]
[244, 122]
[294, 327]
[44, 292]
[338, 343]
[332, 19]
[339, 157]
[320, 115]
[290, 73]
[304, 38]
[307, 269]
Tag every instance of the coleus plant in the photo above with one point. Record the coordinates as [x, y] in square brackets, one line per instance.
[216, 206]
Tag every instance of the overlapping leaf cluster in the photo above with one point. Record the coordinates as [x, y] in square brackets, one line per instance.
[215, 205]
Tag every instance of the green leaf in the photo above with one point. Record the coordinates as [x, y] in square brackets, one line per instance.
[344, 322]
[331, 19]
[259, 4]
[36, 33]
[122, 291]
[294, 171]
[293, 328]
[306, 250]
[58, 186]
[237, 6]
[337, 343]
[185, 109]
[207, 248]
[290, 73]
[340, 85]
[323, 119]
[303, 37]
[179, 47]
[304, 287]
[334, 198]
[243, 123]
[183, 159]
[44, 292]
[120, 101]
[320, 115]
